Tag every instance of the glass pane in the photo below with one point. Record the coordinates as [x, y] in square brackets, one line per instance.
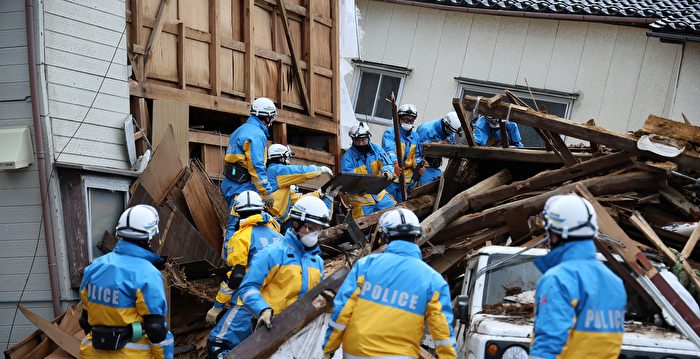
[388, 84]
[368, 90]
[517, 275]
[105, 208]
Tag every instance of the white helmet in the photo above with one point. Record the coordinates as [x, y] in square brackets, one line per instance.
[139, 222]
[571, 216]
[360, 130]
[407, 110]
[279, 151]
[399, 223]
[249, 201]
[311, 209]
[263, 107]
[451, 122]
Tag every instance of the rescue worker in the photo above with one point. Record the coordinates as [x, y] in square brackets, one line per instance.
[124, 304]
[365, 157]
[437, 131]
[487, 132]
[277, 277]
[579, 302]
[245, 158]
[382, 307]
[257, 230]
[284, 175]
[407, 114]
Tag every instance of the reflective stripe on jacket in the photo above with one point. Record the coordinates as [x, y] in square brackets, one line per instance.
[118, 289]
[580, 305]
[412, 154]
[382, 307]
[282, 177]
[374, 162]
[279, 275]
[255, 233]
[484, 135]
[247, 147]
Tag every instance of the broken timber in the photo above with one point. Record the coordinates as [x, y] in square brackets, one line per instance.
[496, 154]
[522, 115]
[264, 342]
[64, 340]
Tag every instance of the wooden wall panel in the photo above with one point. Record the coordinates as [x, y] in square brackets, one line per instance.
[296, 29]
[226, 70]
[321, 35]
[238, 19]
[323, 94]
[266, 77]
[262, 25]
[195, 14]
[226, 19]
[197, 53]
[162, 64]
[239, 71]
[323, 8]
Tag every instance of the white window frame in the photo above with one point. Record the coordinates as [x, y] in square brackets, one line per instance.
[104, 183]
[382, 70]
[520, 91]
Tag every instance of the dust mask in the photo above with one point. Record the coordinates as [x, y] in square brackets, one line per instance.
[310, 239]
[406, 126]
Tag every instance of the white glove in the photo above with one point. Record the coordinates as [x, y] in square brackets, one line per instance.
[265, 318]
[388, 175]
[326, 170]
[212, 314]
[331, 193]
[269, 200]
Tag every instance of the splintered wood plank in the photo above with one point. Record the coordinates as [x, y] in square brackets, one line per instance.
[202, 211]
[466, 124]
[690, 244]
[679, 201]
[163, 169]
[674, 129]
[495, 153]
[64, 340]
[175, 114]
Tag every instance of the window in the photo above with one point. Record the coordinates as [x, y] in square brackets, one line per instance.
[554, 102]
[373, 85]
[105, 200]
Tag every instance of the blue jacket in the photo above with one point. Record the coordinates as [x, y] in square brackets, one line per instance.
[120, 288]
[382, 307]
[283, 177]
[248, 148]
[374, 162]
[431, 132]
[279, 275]
[412, 153]
[484, 135]
[579, 307]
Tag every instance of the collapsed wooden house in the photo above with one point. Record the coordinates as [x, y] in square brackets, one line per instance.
[486, 196]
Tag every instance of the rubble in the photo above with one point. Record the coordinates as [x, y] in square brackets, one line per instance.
[486, 196]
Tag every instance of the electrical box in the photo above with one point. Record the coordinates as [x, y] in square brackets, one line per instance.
[16, 149]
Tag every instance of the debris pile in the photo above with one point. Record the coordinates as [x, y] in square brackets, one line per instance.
[643, 186]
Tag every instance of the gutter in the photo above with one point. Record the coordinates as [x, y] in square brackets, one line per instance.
[41, 160]
[531, 14]
[674, 38]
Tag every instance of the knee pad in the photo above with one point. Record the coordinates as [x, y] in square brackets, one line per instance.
[155, 327]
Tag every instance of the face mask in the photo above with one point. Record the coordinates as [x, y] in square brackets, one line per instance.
[406, 126]
[363, 149]
[310, 239]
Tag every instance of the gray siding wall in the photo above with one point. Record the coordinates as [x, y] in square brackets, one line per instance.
[80, 40]
[20, 209]
[621, 74]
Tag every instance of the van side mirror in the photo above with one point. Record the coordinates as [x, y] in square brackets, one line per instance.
[463, 308]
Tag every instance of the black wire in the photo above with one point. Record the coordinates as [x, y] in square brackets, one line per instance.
[41, 221]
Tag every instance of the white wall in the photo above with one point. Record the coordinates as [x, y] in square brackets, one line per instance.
[621, 75]
[20, 202]
[80, 40]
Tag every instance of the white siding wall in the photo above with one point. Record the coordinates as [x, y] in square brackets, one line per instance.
[20, 209]
[80, 40]
[621, 74]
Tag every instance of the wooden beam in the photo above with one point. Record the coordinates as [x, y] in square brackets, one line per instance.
[680, 202]
[548, 178]
[214, 45]
[64, 340]
[495, 153]
[295, 60]
[202, 210]
[249, 59]
[504, 133]
[594, 146]
[452, 256]
[458, 205]
[335, 78]
[307, 54]
[155, 91]
[636, 181]
[337, 234]
[466, 123]
[562, 149]
[155, 34]
[688, 159]
[494, 100]
[264, 342]
[690, 244]
[674, 129]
